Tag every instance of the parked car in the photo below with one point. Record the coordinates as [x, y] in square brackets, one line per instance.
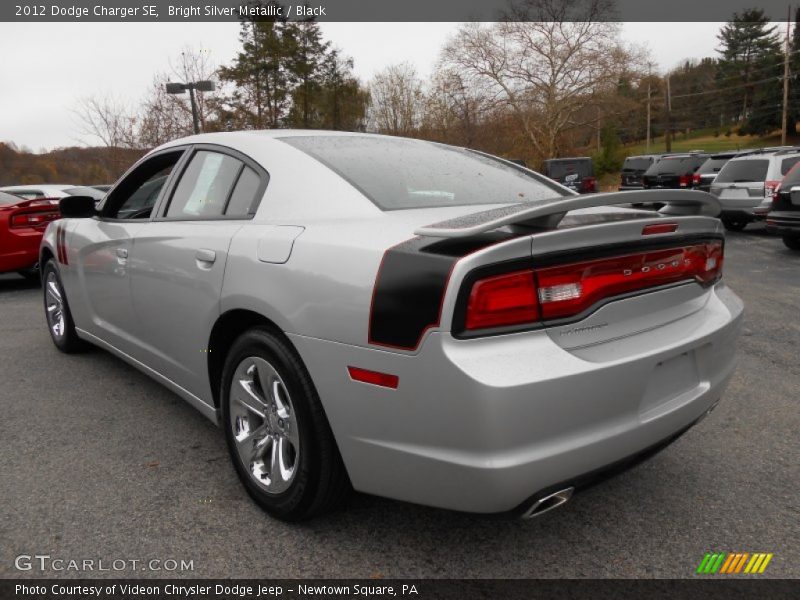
[745, 185]
[22, 224]
[673, 171]
[409, 318]
[708, 171]
[38, 191]
[632, 170]
[103, 187]
[575, 173]
[783, 217]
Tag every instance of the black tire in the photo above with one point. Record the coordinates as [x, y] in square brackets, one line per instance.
[734, 224]
[792, 242]
[320, 483]
[68, 341]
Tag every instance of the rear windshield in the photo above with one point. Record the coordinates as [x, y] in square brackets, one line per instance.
[9, 198]
[29, 194]
[673, 165]
[398, 173]
[750, 169]
[713, 164]
[85, 191]
[637, 164]
[788, 163]
[792, 178]
[561, 168]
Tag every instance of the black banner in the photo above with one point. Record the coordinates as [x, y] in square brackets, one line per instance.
[712, 588]
[375, 10]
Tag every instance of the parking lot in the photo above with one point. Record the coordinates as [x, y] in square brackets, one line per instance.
[101, 462]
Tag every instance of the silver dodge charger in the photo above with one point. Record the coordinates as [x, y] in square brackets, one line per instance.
[405, 318]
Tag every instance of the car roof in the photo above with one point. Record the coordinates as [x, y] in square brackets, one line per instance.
[767, 154]
[570, 158]
[53, 187]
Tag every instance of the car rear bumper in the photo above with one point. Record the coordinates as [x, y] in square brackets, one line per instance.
[484, 425]
[751, 209]
[629, 188]
[784, 223]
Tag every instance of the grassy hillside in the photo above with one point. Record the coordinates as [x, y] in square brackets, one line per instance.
[706, 140]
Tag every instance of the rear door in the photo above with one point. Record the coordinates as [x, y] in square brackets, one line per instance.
[178, 261]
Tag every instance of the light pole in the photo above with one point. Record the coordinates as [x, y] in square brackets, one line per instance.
[200, 86]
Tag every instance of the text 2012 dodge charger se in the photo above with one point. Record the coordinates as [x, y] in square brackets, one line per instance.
[414, 320]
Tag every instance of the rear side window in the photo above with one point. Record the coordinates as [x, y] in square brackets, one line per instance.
[205, 186]
[243, 199]
[744, 171]
[788, 163]
[398, 173]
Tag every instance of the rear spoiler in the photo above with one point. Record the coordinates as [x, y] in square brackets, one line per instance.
[548, 214]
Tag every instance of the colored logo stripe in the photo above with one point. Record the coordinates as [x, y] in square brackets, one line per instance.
[734, 562]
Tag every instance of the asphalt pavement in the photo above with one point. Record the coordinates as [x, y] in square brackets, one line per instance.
[101, 463]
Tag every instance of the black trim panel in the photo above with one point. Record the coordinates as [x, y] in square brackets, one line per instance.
[411, 283]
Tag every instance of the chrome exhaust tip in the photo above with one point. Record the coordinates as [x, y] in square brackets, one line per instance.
[548, 503]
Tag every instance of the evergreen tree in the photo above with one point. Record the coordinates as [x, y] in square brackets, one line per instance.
[260, 73]
[749, 46]
[305, 56]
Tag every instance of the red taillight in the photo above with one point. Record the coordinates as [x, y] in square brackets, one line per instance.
[33, 219]
[685, 180]
[502, 300]
[588, 185]
[696, 179]
[374, 377]
[659, 228]
[567, 290]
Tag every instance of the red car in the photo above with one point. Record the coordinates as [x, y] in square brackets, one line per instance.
[22, 223]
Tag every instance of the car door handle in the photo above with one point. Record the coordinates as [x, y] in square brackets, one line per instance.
[122, 252]
[205, 255]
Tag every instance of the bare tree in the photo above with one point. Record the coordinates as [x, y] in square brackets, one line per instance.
[396, 100]
[107, 119]
[547, 62]
[454, 111]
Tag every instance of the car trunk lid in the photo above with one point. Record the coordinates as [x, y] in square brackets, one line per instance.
[565, 248]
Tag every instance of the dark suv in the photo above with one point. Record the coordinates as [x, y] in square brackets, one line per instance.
[673, 171]
[632, 170]
[784, 215]
[575, 173]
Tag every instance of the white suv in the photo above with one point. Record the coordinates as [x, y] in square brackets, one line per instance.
[745, 185]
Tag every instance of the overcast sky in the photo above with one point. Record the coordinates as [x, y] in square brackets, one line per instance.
[46, 67]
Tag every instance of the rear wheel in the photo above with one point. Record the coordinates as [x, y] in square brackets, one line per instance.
[277, 434]
[734, 224]
[59, 317]
[792, 242]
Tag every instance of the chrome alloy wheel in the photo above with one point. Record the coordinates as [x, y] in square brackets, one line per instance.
[55, 305]
[264, 425]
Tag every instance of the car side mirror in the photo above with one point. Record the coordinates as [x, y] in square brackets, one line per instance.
[77, 206]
